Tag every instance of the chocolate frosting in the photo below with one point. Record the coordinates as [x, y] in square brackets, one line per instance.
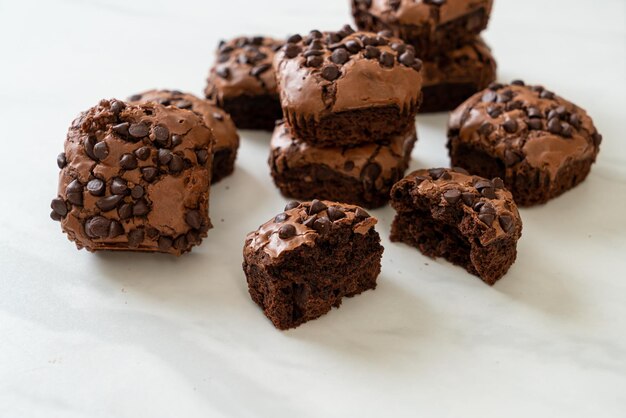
[289, 153]
[472, 63]
[521, 124]
[135, 177]
[243, 67]
[218, 120]
[322, 85]
[485, 204]
[311, 226]
[423, 12]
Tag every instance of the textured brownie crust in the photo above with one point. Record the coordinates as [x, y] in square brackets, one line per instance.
[243, 83]
[452, 77]
[539, 143]
[360, 175]
[346, 88]
[429, 26]
[224, 130]
[468, 220]
[304, 261]
[135, 178]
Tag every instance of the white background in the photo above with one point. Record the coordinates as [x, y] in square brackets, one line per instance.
[128, 335]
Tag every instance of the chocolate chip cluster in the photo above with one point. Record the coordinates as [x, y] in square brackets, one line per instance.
[319, 217]
[115, 192]
[253, 52]
[329, 51]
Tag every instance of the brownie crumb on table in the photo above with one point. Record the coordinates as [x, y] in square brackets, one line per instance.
[348, 88]
[220, 122]
[135, 178]
[360, 175]
[304, 261]
[243, 83]
[470, 221]
[540, 144]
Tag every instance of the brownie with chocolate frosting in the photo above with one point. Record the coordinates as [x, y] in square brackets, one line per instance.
[243, 83]
[470, 221]
[348, 88]
[220, 122]
[303, 262]
[360, 175]
[540, 144]
[135, 177]
[431, 26]
[452, 77]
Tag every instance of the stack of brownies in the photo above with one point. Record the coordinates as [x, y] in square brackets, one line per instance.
[349, 101]
[446, 36]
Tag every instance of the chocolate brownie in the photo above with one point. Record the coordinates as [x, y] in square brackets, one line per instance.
[307, 259]
[360, 175]
[346, 88]
[243, 83]
[224, 130]
[452, 77]
[135, 178]
[431, 26]
[468, 220]
[539, 143]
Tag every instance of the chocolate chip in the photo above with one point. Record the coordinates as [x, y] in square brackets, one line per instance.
[554, 126]
[597, 139]
[517, 83]
[361, 214]
[165, 243]
[460, 170]
[109, 203]
[353, 46]
[96, 187]
[439, 173]
[506, 222]
[193, 219]
[316, 34]
[330, 72]
[88, 146]
[398, 47]
[74, 193]
[135, 98]
[317, 207]
[149, 173]
[574, 120]
[202, 155]
[546, 95]
[59, 206]
[164, 156]
[495, 86]
[135, 238]
[494, 111]
[505, 96]
[128, 162]
[281, 218]
[498, 183]
[181, 243]
[137, 192]
[566, 130]
[292, 51]
[535, 124]
[452, 196]
[407, 58]
[510, 126]
[534, 112]
[322, 225]
[292, 205]
[61, 160]
[371, 172]
[340, 56]
[511, 157]
[97, 227]
[119, 186]
[487, 218]
[125, 211]
[259, 69]
[115, 229]
[386, 59]
[141, 208]
[287, 231]
[161, 135]
[314, 61]
[417, 65]
[177, 164]
[348, 165]
[486, 128]
[143, 153]
[489, 96]
[371, 52]
[139, 130]
[184, 104]
[223, 72]
[482, 184]
[117, 107]
[294, 39]
[100, 150]
[310, 222]
[468, 198]
[334, 214]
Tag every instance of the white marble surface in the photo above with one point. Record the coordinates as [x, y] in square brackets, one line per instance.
[85, 335]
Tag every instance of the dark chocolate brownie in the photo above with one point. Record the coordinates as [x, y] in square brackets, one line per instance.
[224, 130]
[452, 77]
[539, 143]
[470, 221]
[360, 175]
[345, 88]
[431, 26]
[305, 260]
[135, 178]
[243, 83]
